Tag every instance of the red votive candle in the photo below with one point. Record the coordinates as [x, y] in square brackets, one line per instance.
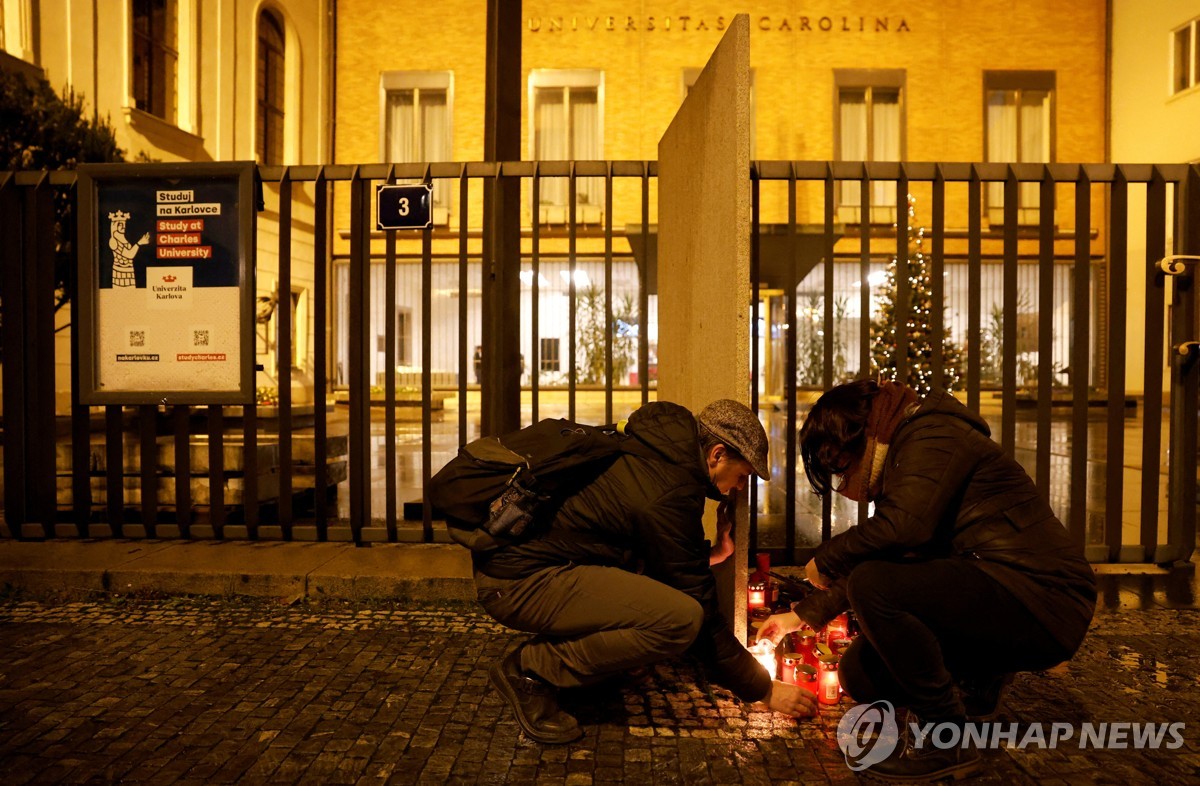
[756, 595]
[829, 690]
[790, 661]
[838, 628]
[806, 677]
[807, 647]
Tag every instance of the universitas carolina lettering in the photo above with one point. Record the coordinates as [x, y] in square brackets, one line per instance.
[692, 24]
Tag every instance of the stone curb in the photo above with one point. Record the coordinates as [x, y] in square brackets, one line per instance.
[422, 572]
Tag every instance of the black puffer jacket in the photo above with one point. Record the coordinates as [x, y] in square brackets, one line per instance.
[645, 510]
[948, 489]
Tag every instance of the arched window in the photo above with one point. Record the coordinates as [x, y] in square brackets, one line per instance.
[268, 140]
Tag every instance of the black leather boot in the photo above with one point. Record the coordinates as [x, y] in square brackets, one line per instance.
[908, 763]
[534, 702]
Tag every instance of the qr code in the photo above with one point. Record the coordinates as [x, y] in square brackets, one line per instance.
[137, 338]
[200, 338]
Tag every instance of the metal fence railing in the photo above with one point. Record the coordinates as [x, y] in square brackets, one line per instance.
[401, 313]
[1057, 451]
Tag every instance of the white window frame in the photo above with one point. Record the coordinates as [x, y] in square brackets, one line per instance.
[567, 79]
[187, 69]
[279, 19]
[884, 200]
[173, 110]
[1028, 194]
[543, 356]
[1192, 33]
[417, 81]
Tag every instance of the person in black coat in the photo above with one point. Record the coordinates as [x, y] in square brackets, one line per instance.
[621, 578]
[961, 576]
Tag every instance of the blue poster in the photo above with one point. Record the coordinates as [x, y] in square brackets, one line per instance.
[175, 223]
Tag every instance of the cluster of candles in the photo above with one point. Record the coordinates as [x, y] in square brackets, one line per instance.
[807, 657]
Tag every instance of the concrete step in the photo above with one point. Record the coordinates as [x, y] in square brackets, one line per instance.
[232, 450]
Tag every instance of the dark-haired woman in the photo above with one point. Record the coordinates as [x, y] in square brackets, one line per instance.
[961, 576]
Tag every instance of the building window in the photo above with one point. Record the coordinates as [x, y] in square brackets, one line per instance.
[404, 337]
[155, 56]
[416, 125]
[14, 28]
[1019, 129]
[870, 127]
[1185, 57]
[568, 125]
[549, 354]
[268, 138]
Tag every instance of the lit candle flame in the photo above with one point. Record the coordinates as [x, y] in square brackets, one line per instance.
[764, 652]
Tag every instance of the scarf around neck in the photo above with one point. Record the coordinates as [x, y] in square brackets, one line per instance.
[888, 411]
[891, 406]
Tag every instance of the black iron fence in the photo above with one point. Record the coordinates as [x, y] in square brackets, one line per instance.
[356, 470]
[1087, 483]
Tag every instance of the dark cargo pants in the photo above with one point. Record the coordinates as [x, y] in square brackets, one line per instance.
[591, 622]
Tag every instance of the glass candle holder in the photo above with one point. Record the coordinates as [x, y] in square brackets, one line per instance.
[756, 595]
[838, 646]
[807, 676]
[829, 689]
[807, 647]
[764, 652]
[754, 627]
[788, 672]
[838, 628]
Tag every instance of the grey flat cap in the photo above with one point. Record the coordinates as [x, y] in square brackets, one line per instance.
[736, 425]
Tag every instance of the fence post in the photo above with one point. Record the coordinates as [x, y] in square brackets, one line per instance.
[500, 398]
[1185, 380]
[11, 289]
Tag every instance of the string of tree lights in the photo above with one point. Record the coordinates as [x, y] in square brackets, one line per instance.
[921, 341]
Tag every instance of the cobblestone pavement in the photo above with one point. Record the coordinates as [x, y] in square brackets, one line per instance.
[216, 691]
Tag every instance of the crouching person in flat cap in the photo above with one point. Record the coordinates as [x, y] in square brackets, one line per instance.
[620, 577]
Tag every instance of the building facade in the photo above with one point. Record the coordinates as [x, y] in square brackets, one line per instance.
[184, 80]
[1155, 108]
[925, 80]
[994, 82]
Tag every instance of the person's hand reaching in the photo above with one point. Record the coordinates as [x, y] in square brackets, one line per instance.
[791, 700]
[815, 576]
[779, 625]
[722, 548]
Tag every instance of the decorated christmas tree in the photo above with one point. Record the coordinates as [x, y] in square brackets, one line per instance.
[922, 343]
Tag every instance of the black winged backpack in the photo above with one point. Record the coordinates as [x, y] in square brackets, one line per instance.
[496, 488]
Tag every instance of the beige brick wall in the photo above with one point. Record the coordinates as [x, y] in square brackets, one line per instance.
[944, 46]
